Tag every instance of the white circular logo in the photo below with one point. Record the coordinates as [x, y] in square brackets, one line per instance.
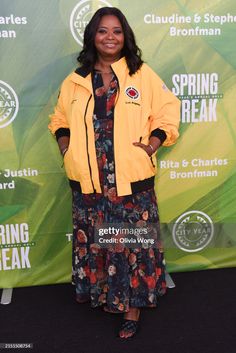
[81, 15]
[9, 104]
[193, 231]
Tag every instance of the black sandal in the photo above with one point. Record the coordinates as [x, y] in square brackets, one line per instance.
[129, 326]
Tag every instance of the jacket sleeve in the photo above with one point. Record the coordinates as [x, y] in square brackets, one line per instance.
[58, 120]
[165, 110]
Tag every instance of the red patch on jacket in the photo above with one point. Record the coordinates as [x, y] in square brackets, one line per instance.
[132, 92]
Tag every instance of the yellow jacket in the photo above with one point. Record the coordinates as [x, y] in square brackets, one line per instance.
[143, 105]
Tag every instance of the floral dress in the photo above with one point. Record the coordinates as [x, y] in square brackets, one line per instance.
[121, 276]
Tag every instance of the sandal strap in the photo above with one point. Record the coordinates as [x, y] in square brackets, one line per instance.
[129, 326]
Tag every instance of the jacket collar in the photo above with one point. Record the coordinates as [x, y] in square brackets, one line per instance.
[83, 76]
[82, 71]
[120, 67]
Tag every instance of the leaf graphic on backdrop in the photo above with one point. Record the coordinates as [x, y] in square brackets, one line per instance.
[28, 191]
[8, 212]
[192, 262]
[34, 96]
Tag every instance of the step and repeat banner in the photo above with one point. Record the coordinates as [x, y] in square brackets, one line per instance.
[191, 45]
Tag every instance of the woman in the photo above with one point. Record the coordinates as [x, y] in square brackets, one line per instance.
[113, 113]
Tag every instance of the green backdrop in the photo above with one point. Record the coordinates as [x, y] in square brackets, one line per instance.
[191, 45]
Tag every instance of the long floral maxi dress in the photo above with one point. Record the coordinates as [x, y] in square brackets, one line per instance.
[119, 277]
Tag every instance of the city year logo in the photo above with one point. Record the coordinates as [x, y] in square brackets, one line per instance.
[132, 92]
[81, 16]
[193, 231]
[9, 104]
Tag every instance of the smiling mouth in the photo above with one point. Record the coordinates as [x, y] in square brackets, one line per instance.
[110, 45]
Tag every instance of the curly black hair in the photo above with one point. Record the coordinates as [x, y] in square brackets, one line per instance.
[88, 56]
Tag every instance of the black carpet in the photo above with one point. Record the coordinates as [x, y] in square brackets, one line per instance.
[198, 316]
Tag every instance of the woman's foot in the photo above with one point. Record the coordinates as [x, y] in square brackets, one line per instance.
[129, 326]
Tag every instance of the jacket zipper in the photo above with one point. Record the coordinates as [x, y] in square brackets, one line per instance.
[152, 162]
[86, 129]
[113, 128]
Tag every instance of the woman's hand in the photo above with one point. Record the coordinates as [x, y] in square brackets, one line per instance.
[147, 148]
[152, 147]
[63, 143]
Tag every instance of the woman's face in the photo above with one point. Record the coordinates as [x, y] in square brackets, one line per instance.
[109, 38]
